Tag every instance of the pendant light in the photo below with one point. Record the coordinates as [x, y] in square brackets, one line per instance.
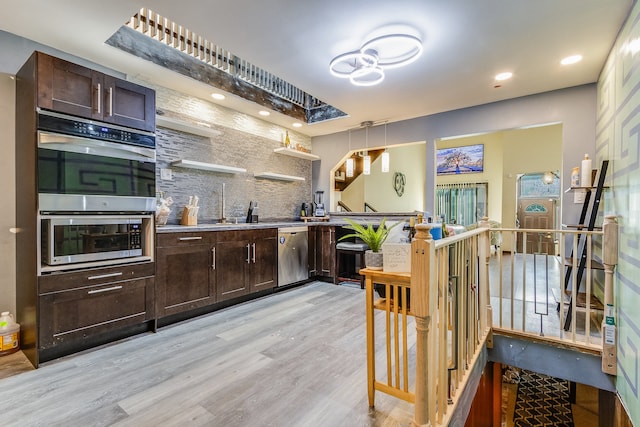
[366, 166]
[350, 159]
[385, 154]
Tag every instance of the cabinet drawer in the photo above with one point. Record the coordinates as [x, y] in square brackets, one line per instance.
[79, 313]
[64, 281]
[184, 239]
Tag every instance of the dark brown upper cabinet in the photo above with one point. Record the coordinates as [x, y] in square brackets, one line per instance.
[73, 89]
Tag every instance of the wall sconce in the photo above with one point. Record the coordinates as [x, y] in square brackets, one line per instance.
[365, 67]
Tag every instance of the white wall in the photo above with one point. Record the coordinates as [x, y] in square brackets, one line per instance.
[380, 191]
[8, 207]
[575, 108]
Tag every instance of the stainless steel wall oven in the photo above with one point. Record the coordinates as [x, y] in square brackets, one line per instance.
[96, 192]
[87, 166]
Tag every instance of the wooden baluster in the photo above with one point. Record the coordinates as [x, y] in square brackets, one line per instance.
[423, 299]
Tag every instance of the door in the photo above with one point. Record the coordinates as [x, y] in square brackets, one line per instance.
[233, 255]
[184, 278]
[537, 214]
[326, 251]
[129, 104]
[69, 88]
[264, 260]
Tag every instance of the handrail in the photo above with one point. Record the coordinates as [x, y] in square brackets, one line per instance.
[450, 303]
[458, 298]
[368, 206]
[344, 206]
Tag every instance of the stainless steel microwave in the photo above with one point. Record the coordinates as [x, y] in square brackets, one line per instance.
[91, 238]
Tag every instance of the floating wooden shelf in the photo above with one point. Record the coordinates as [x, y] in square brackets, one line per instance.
[192, 164]
[296, 153]
[277, 176]
[583, 188]
[182, 126]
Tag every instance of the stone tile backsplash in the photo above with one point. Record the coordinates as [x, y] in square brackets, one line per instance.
[230, 146]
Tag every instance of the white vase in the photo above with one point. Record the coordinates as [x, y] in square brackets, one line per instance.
[373, 260]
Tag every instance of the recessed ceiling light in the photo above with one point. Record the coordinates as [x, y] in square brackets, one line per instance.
[571, 59]
[504, 76]
[297, 125]
[264, 113]
[217, 96]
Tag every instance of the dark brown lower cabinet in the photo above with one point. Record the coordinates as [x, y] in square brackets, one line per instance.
[326, 251]
[184, 275]
[77, 305]
[246, 262]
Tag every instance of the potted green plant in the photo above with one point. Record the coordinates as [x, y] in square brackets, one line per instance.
[373, 237]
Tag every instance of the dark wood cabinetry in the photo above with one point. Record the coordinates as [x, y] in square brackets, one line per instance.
[185, 272]
[76, 305]
[196, 270]
[313, 271]
[73, 89]
[246, 262]
[62, 312]
[322, 251]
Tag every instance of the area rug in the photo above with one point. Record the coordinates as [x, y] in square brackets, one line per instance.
[542, 401]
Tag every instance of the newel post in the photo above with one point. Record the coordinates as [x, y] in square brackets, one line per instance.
[423, 300]
[610, 260]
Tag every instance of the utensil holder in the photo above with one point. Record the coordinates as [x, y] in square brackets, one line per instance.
[189, 216]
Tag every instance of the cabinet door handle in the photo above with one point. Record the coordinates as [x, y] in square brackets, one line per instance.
[99, 100]
[183, 239]
[213, 258]
[104, 276]
[248, 253]
[97, 291]
[110, 104]
[253, 246]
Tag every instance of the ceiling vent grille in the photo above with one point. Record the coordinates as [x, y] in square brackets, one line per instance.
[171, 34]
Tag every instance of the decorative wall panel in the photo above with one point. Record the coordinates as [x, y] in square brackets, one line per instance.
[618, 139]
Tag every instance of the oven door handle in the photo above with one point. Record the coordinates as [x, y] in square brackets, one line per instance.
[76, 144]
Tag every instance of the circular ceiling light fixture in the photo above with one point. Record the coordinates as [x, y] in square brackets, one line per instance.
[217, 96]
[571, 59]
[365, 67]
[264, 113]
[394, 50]
[343, 65]
[366, 76]
[503, 76]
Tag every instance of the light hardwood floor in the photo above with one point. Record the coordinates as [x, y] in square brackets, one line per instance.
[295, 358]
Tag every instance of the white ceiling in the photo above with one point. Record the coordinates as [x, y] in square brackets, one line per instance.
[466, 43]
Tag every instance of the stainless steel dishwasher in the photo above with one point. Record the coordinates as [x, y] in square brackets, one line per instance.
[293, 255]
